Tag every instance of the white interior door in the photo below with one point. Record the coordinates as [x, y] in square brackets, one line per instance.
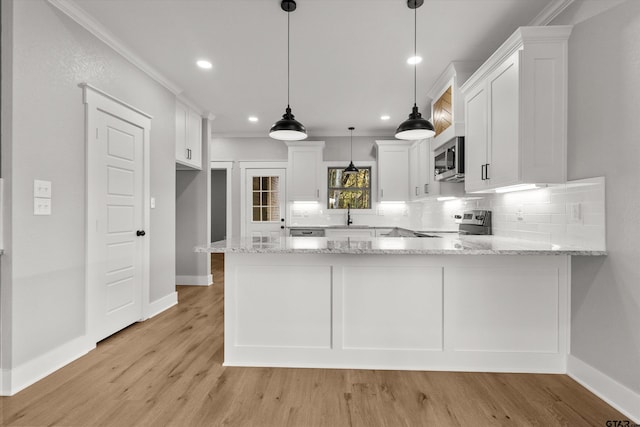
[264, 202]
[117, 215]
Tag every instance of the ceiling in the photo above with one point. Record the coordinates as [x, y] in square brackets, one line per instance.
[348, 57]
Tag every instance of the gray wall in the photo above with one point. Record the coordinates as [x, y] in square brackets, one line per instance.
[604, 106]
[267, 149]
[218, 205]
[44, 265]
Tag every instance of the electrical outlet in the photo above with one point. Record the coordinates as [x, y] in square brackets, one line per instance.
[520, 215]
[153, 203]
[575, 213]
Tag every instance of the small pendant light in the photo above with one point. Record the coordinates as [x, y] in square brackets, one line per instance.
[351, 169]
[415, 127]
[288, 128]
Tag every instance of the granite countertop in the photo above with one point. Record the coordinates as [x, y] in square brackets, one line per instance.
[442, 244]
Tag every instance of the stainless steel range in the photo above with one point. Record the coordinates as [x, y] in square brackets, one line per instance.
[474, 222]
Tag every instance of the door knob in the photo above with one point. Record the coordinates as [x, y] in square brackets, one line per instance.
[140, 233]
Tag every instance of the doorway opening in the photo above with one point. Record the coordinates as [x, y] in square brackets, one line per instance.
[221, 200]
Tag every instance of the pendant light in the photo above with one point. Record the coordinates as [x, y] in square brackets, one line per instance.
[415, 127]
[351, 169]
[288, 128]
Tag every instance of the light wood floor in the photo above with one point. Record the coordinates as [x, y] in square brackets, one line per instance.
[167, 371]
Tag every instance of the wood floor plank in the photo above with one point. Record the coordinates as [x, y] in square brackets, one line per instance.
[168, 371]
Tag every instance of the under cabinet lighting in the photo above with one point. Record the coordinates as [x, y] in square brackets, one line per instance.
[445, 198]
[518, 187]
[385, 117]
[253, 119]
[414, 60]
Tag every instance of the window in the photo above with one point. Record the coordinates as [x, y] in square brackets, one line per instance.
[266, 199]
[349, 190]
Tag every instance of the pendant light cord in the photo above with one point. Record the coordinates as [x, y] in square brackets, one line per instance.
[288, 55]
[415, 54]
[351, 145]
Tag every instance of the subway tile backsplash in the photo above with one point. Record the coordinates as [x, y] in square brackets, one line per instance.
[571, 214]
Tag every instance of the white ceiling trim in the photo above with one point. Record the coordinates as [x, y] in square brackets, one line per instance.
[73, 11]
[550, 12]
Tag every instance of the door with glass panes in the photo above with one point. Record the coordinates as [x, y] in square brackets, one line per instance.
[265, 203]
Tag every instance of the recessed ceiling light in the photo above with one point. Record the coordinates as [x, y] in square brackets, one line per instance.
[385, 117]
[414, 60]
[253, 119]
[205, 65]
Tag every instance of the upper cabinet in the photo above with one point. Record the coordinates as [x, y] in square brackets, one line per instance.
[305, 175]
[516, 112]
[421, 182]
[393, 170]
[188, 137]
[447, 105]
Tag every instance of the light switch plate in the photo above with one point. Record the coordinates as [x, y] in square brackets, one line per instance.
[41, 206]
[41, 189]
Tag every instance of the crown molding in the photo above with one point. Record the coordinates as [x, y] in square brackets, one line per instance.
[76, 13]
[550, 12]
[460, 69]
[521, 37]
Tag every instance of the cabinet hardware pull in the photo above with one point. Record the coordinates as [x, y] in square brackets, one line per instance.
[417, 191]
[381, 193]
[318, 193]
[140, 233]
[426, 189]
[482, 172]
[487, 171]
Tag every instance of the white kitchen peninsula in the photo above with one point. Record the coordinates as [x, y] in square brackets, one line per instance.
[475, 303]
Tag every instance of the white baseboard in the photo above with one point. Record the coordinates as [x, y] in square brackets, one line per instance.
[5, 385]
[158, 306]
[606, 388]
[34, 370]
[195, 280]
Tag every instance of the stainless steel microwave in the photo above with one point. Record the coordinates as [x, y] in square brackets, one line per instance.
[449, 161]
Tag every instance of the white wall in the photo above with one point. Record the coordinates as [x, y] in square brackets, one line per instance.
[43, 269]
[604, 107]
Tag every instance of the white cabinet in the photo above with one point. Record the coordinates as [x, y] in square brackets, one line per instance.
[516, 112]
[188, 137]
[305, 177]
[414, 172]
[421, 182]
[393, 170]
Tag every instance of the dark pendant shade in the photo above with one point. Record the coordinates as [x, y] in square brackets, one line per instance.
[415, 127]
[288, 128]
[351, 169]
